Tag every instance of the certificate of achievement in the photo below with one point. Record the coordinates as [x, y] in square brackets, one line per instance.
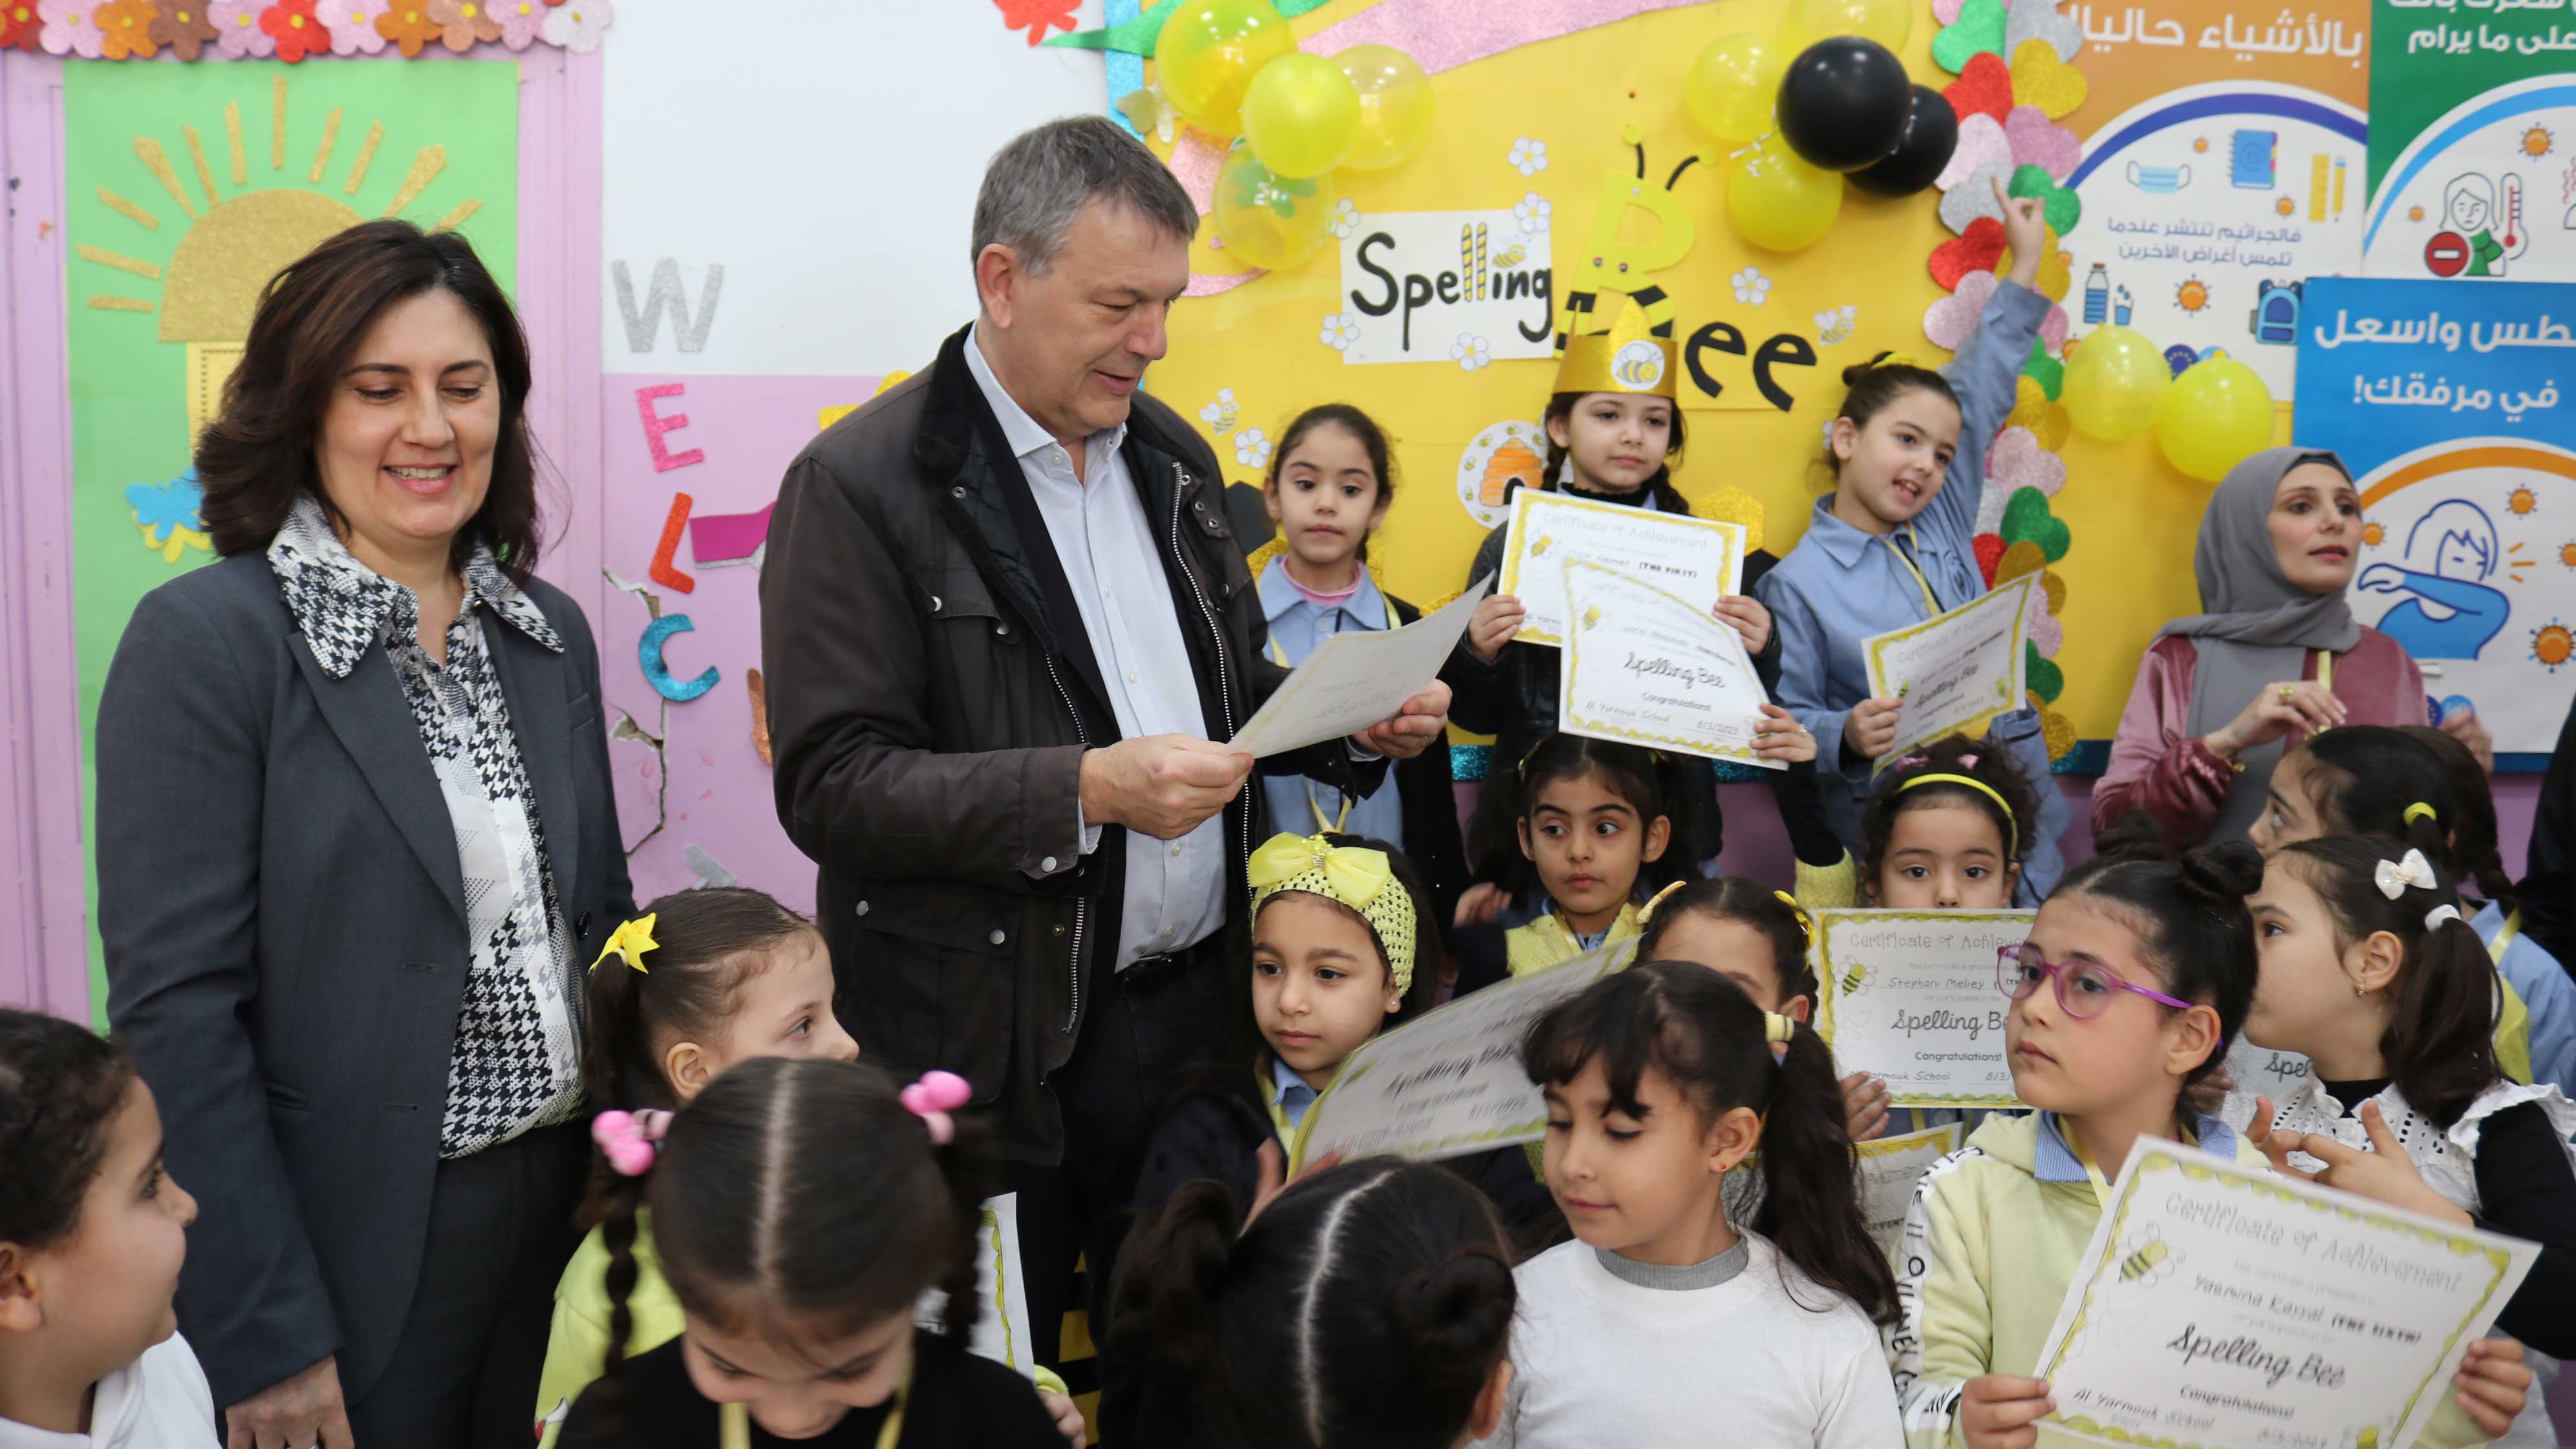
[1001, 1302]
[1354, 680]
[1910, 995]
[1646, 668]
[1697, 559]
[1449, 1083]
[2227, 1307]
[1888, 1169]
[1954, 671]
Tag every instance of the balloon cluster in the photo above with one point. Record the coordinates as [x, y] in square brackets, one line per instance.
[1830, 89]
[1231, 68]
[2207, 420]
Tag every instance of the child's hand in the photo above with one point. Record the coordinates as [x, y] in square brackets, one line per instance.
[1493, 624]
[2383, 1174]
[2494, 1384]
[1776, 736]
[1479, 905]
[2462, 724]
[2025, 231]
[1864, 1106]
[1749, 618]
[1996, 1412]
[1274, 1177]
[1870, 728]
[1068, 1418]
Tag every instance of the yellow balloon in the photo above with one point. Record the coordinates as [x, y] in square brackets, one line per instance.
[1780, 202]
[2214, 416]
[1208, 53]
[1268, 220]
[1732, 86]
[1302, 115]
[1395, 105]
[1888, 22]
[2114, 379]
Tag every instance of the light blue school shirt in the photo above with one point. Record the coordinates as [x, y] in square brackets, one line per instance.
[1297, 625]
[2546, 992]
[1841, 585]
[1289, 1093]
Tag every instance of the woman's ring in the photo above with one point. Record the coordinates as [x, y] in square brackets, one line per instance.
[2286, 692]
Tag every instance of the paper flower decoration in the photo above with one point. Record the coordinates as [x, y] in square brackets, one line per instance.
[578, 25]
[522, 21]
[1533, 211]
[297, 34]
[179, 24]
[407, 24]
[1471, 351]
[1528, 157]
[1036, 17]
[1341, 329]
[20, 25]
[125, 29]
[1751, 287]
[237, 32]
[463, 24]
[1252, 448]
[69, 30]
[1346, 217]
[352, 24]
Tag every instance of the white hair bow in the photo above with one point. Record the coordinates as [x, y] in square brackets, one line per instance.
[2394, 876]
[2439, 914]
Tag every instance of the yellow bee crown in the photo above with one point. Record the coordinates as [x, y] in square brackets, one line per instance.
[1628, 358]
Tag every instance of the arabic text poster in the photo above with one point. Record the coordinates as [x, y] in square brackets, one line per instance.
[2472, 174]
[2455, 407]
[2221, 168]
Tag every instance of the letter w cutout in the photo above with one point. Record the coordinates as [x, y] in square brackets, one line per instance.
[644, 326]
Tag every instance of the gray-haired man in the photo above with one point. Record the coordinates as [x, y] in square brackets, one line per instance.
[1003, 619]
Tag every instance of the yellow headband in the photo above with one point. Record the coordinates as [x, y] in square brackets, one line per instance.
[1806, 923]
[1647, 915]
[2421, 811]
[1898, 359]
[2012, 827]
[630, 940]
[1351, 875]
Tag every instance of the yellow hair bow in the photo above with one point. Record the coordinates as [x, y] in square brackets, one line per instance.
[1352, 875]
[630, 940]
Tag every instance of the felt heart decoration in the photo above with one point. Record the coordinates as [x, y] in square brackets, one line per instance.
[2027, 520]
[2046, 680]
[2050, 373]
[2018, 559]
[1948, 322]
[2052, 330]
[1975, 250]
[1946, 12]
[1981, 143]
[1980, 27]
[2041, 20]
[1975, 196]
[2045, 630]
[2038, 141]
[2055, 587]
[2060, 206]
[2040, 79]
[2057, 729]
[1983, 89]
[2056, 268]
[2016, 462]
[1990, 551]
[1990, 510]
[2046, 420]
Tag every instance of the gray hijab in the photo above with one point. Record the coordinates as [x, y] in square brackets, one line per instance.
[2260, 626]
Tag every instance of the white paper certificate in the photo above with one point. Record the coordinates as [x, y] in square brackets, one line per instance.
[1697, 559]
[1954, 671]
[1001, 1301]
[1647, 668]
[2227, 1307]
[1888, 1169]
[1451, 1082]
[1354, 680]
[1910, 995]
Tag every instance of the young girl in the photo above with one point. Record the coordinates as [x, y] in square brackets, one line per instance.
[92, 1233]
[1944, 829]
[2137, 973]
[1891, 546]
[704, 979]
[2370, 972]
[2374, 780]
[1329, 488]
[1659, 1082]
[800, 1209]
[1368, 1306]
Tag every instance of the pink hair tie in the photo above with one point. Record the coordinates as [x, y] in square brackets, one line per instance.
[935, 1096]
[1967, 762]
[628, 1139]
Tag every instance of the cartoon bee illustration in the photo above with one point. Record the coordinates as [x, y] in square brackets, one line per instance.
[1592, 616]
[1853, 978]
[1511, 258]
[2369, 1438]
[1539, 549]
[2147, 1258]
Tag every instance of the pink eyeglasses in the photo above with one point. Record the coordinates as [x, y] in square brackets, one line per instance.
[2083, 989]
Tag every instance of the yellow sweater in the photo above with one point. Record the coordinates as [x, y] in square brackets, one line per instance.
[1546, 942]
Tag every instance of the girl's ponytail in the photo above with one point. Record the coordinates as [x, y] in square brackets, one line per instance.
[1454, 1318]
[1169, 1277]
[616, 1198]
[966, 1163]
[1811, 1200]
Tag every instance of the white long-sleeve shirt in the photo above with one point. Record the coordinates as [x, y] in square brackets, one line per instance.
[160, 1401]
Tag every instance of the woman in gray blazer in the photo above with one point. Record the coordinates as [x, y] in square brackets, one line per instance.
[356, 842]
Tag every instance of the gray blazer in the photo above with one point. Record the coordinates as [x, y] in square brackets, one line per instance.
[284, 918]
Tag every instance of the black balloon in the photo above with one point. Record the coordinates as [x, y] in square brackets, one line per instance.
[1843, 103]
[1931, 134]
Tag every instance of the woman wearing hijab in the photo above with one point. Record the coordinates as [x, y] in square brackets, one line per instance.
[2278, 656]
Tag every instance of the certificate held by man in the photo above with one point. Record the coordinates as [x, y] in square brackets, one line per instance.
[1353, 680]
[1696, 559]
[1954, 671]
[2230, 1307]
[1643, 667]
[1913, 997]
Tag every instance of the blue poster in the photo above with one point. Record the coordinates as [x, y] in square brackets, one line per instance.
[2455, 407]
